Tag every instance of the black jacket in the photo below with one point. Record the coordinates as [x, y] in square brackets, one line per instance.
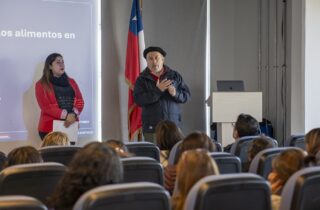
[157, 105]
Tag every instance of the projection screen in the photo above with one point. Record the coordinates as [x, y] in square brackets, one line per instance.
[29, 31]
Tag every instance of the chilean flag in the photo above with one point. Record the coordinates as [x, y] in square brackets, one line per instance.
[135, 63]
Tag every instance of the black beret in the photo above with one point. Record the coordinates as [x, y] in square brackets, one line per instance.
[154, 49]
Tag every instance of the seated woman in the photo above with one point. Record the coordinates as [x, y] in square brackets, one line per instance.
[283, 166]
[195, 140]
[257, 146]
[23, 155]
[119, 147]
[192, 166]
[93, 165]
[167, 135]
[312, 140]
[55, 138]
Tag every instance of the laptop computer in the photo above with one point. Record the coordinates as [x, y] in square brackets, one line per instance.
[230, 85]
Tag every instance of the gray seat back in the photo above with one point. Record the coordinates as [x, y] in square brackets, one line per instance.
[229, 192]
[37, 180]
[142, 169]
[227, 163]
[20, 202]
[140, 195]
[59, 154]
[174, 153]
[302, 190]
[297, 141]
[144, 149]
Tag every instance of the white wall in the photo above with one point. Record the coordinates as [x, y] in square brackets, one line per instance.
[115, 24]
[312, 67]
[235, 51]
[234, 42]
[295, 61]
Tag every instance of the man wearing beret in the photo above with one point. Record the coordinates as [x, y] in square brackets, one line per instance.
[159, 90]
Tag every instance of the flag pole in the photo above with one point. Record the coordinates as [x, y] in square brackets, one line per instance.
[140, 130]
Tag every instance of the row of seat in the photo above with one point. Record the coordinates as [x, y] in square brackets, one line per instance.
[227, 192]
[39, 179]
[227, 163]
[64, 154]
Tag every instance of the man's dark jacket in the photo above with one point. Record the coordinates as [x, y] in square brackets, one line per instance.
[157, 105]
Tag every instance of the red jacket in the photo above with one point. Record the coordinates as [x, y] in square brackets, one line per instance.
[49, 106]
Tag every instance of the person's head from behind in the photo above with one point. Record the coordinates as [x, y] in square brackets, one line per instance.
[119, 147]
[155, 58]
[55, 138]
[167, 134]
[283, 166]
[312, 140]
[23, 155]
[258, 145]
[196, 140]
[246, 125]
[192, 166]
[93, 165]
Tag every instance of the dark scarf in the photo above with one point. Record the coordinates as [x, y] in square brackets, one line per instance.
[60, 81]
[64, 92]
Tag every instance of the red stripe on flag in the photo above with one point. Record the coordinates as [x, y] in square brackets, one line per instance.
[132, 60]
[132, 72]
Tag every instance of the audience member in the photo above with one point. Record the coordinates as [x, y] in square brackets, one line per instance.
[23, 155]
[195, 140]
[246, 125]
[55, 138]
[119, 147]
[312, 140]
[167, 135]
[283, 166]
[257, 146]
[93, 165]
[192, 166]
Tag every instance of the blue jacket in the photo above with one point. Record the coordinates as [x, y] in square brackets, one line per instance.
[157, 105]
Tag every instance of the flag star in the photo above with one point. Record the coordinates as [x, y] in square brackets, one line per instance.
[134, 18]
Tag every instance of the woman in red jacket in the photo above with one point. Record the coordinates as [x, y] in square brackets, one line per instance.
[58, 95]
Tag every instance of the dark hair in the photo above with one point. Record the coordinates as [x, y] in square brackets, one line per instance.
[23, 155]
[312, 140]
[93, 165]
[257, 145]
[287, 163]
[246, 125]
[197, 140]
[47, 73]
[167, 135]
